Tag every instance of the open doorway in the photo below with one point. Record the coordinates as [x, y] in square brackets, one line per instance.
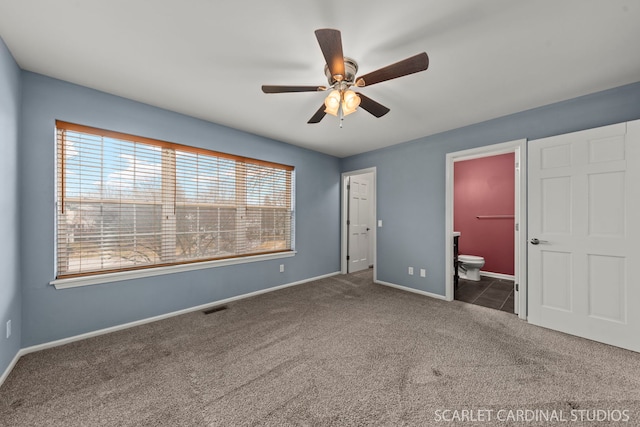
[483, 216]
[518, 151]
[358, 221]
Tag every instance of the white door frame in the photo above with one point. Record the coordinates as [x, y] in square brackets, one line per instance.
[345, 215]
[519, 148]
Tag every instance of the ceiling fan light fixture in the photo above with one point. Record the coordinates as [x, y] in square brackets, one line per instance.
[332, 102]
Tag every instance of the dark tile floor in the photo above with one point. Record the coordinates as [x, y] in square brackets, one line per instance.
[488, 292]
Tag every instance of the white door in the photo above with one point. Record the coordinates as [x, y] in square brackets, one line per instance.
[358, 223]
[584, 247]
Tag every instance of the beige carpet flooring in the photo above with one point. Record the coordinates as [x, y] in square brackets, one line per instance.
[339, 351]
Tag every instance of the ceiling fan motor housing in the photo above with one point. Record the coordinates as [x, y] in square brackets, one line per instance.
[350, 70]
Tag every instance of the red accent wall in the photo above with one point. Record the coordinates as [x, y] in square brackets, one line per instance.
[485, 187]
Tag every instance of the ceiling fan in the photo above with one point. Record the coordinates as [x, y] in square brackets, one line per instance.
[341, 75]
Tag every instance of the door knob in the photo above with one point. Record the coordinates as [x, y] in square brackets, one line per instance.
[535, 241]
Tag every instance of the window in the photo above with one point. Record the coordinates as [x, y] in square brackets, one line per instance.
[126, 202]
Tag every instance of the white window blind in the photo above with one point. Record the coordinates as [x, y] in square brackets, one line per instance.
[126, 202]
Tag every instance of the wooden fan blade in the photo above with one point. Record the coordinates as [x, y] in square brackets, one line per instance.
[372, 106]
[284, 89]
[330, 43]
[319, 115]
[419, 62]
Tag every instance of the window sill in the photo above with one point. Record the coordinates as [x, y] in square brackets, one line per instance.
[150, 272]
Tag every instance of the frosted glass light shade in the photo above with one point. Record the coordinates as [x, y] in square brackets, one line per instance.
[350, 103]
[332, 102]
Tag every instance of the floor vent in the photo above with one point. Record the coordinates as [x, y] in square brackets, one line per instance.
[215, 309]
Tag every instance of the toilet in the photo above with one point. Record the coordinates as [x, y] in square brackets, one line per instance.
[469, 266]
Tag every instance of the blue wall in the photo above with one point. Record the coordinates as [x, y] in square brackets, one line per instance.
[10, 292]
[411, 178]
[51, 314]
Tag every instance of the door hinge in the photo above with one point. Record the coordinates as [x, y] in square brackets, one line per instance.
[517, 226]
[348, 186]
[347, 257]
[517, 287]
[348, 222]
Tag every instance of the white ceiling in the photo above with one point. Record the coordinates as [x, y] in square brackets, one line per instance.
[208, 59]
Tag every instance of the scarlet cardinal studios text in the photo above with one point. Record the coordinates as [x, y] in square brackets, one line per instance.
[531, 415]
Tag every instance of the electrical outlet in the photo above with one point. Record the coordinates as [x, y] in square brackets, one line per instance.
[281, 268]
[379, 223]
[8, 328]
[410, 271]
[423, 272]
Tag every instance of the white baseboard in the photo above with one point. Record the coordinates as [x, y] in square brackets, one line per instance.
[497, 275]
[7, 371]
[415, 291]
[63, 341]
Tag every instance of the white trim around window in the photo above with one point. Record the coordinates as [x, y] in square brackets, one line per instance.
[127, 203]
[74, 282]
